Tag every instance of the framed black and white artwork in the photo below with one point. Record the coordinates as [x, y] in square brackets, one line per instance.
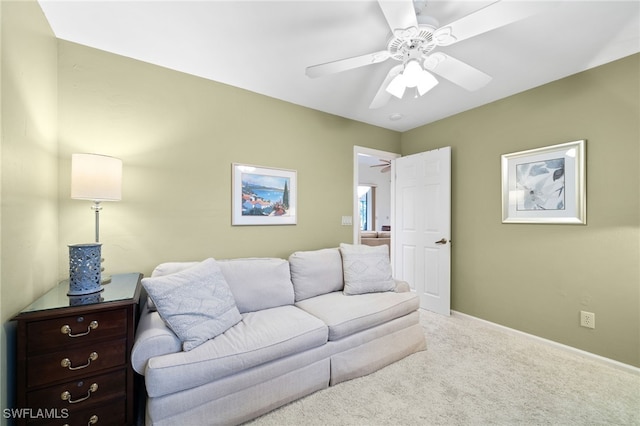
[545, 185]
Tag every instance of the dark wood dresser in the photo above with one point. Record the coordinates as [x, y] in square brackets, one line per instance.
[73, 356]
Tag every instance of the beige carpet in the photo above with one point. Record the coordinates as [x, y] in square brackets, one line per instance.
[475, 374]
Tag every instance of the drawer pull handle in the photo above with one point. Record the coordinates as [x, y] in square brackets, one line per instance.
[92, 421]
[66, 362]
[66, 395]
[65, 329]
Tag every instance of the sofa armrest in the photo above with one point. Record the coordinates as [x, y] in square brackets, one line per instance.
[153, 338]
[402, 286]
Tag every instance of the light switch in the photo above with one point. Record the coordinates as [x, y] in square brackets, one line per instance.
[347, 220]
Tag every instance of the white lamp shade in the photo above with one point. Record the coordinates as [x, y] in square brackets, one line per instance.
[96, 177]
[397, 86]
[412, 73]
[426, 83]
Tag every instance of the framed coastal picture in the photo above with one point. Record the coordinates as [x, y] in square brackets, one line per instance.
[263, 195]
[545, 185]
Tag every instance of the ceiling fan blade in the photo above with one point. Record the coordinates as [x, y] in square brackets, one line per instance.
[346, 64]
[382, 97]
[494, 16]
[456, 71]
[400, 14]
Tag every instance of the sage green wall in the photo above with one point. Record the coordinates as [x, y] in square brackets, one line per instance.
[29, 163]
[178, 136]
[536, 278]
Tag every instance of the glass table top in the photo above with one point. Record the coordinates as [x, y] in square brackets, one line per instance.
[121, 287]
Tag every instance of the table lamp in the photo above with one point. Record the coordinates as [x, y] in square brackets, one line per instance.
[97, 178]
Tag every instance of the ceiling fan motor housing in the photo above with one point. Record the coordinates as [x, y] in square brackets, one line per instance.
[412, 43]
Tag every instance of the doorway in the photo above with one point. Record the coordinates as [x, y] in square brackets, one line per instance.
[371, 169]
[419, 205]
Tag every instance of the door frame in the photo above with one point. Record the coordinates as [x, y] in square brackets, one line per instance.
[386, 155]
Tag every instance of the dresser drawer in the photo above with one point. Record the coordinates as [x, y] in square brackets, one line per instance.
[109, 414]
[81, 393]
[75, 361]
[58, 332]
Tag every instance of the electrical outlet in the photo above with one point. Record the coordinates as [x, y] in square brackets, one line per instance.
[587, 319]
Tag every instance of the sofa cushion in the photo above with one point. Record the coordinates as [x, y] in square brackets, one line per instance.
[346, 315]
[196, 303]
[256, 283]
[259, 283]
[260, 337]
[316, 272]
[366, 269]
[168, 268]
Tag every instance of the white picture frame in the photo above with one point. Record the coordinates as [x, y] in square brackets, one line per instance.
[263, 195]
[545, 185]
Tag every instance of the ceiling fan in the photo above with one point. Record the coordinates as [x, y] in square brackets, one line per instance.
[414, 38]
[385, 164]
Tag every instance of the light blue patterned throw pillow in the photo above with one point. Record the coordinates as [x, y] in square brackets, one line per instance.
[195, 303]
[366, 269]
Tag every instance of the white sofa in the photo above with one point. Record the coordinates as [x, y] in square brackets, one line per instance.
[299, 332]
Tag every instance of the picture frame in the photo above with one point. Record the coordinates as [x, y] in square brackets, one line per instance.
[263, 195]
[545, 185]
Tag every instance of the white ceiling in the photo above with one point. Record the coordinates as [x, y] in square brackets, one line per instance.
[264, 46]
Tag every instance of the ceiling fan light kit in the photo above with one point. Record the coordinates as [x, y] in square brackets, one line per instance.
[412, 76]
[416, 36]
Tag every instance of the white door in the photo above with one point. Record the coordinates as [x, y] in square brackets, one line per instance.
[422, 226]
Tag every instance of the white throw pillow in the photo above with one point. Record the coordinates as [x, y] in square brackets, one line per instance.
[167, 269]
[195, 303]
[316, 272]
[366, 269]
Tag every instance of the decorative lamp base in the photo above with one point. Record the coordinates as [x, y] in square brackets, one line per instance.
[84, 269]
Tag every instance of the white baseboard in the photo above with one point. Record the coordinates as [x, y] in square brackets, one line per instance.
[611, 362]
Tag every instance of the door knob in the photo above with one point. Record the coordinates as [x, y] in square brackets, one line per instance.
[442, 241]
